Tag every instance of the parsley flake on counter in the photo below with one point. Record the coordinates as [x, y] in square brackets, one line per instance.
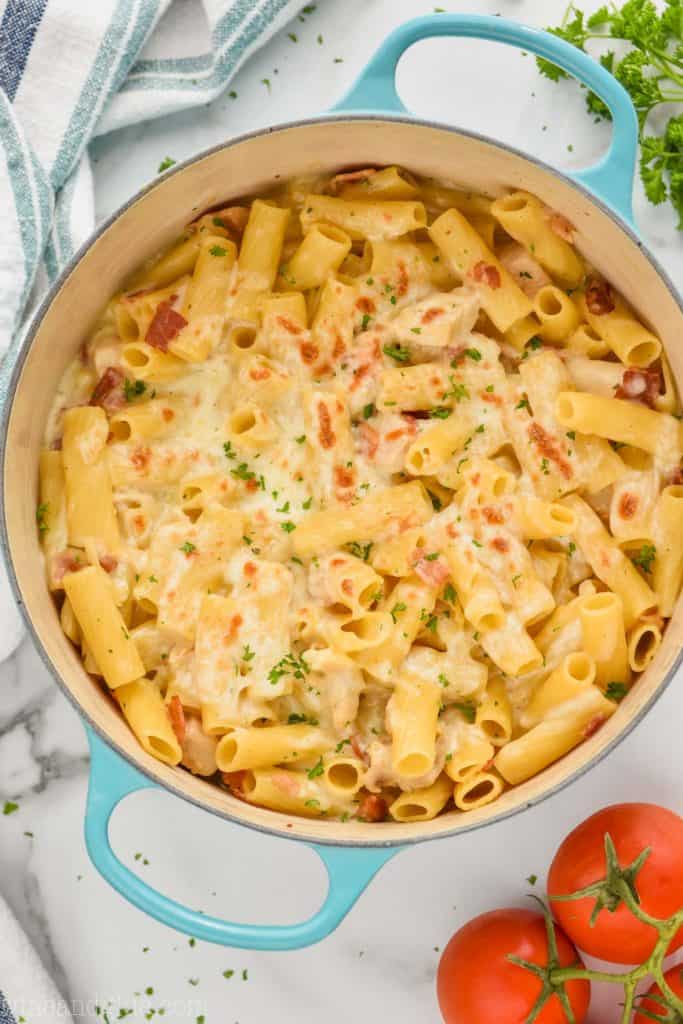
[228, 974]
[167, 162]
[532, 879]
[10, 807]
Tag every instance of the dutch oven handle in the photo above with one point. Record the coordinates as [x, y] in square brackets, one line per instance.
[611, 180]
[349, 869]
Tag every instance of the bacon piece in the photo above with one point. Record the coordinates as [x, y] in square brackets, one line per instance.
[288, 325]
[485, 273]
[500, 544]
[177, 716]
[108, 562]
[234, 781]
[233, 217]
[326, 434]
[372, 808]
[62, 563]
[432, 571]
[167, 323]
[285, 783]
[592, 727]
[599, 296]
[344, 477]
[562, 227]
[492, 515]
[369, 440]
[358, 748]
[549, 449]
[676, 477]
[365, 304]
[523, 268]
[640, 386]
[309, 351]
[351, 176]
[140, 457]
[108, 392]
[432, 313]
[628, 505]
[403, 279]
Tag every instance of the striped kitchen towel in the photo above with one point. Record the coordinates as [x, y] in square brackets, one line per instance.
[74, 69]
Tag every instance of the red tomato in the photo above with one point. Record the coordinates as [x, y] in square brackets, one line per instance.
[476, 984]
[617, 935]
[674, 979]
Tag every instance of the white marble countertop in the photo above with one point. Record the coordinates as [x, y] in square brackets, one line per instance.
[380, 963]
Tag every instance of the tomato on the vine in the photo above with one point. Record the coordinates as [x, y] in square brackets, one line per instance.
[477, 984]
[674, 979]
[657, 882]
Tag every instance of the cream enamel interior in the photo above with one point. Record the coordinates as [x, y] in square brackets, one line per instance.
[151, 222]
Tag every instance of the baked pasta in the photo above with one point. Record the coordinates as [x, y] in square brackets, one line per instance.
[363, 499]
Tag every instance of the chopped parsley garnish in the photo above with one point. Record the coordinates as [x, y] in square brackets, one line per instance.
[247, 653]
[40, 516]
[432, 557]
[188, 547]
[523, 403]
[473, 353]
[416, 330]
[515, 578]
[545, 467]
[645, 557]
[228, 450]
[301, 439]
[458, 391]
[401, 355]
[167, 162]
[288, 526]
[399, 607]
[316, 770]
[243, 472]
[218, 250]
[369, 410]
[284, 508]
[361, 551]
[132, 389]
[307, 504]
[466, 709]
[449, 593]
[340, 746]
[437, 504]
[571, 548]
[289, 665]
[299, 719]
[440, 413]
[571, 434]
[534, 343]
[444, 679]
[430, 620]
[616, 691]
[365, 321]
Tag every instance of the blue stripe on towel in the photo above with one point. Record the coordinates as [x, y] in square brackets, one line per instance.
[6, 1015]
[17, 31]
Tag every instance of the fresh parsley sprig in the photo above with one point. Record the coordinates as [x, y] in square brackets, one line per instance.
[651, 71]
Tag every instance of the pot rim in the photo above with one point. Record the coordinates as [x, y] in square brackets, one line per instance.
[16, 357]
